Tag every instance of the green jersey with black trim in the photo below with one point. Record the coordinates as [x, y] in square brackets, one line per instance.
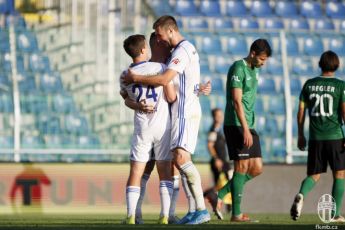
[241, 76]
[323, 97]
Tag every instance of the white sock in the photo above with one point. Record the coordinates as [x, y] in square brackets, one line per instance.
[143, 183]
[174, 196]
[132, 197]
[165, 191]
[194, 182]
[190, 198]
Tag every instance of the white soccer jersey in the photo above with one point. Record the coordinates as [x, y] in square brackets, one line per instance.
[151, 94]
[185, 61]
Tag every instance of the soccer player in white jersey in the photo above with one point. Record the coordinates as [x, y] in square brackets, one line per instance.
[186, 111]
[160, 52]
[150, 129]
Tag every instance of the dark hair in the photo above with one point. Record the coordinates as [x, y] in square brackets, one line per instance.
[329, 61]
[153, 38]
[213, 111]
[166, 21]
[261, 46]
[134, 44]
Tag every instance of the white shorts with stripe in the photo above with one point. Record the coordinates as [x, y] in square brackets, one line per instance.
[184, 133]
[142, 144]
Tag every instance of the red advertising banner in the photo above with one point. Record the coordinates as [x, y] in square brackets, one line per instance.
[75, 188]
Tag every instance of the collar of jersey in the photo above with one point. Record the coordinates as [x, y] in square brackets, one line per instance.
[180, 43]
[136, 64]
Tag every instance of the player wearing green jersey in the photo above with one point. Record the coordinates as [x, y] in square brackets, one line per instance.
[324, 97]
[242, 140]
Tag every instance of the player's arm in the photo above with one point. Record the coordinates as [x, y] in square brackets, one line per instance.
[170, 92]
[237, 100]
[301, 143]
[160, 79]
[140, 106]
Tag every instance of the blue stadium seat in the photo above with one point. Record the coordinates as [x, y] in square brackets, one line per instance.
[75, 124]
[205, 104]
[210, 45]
[298, 24]
[186, 8]
[63, 103]
[235, 8]
[271, 127]
[311, 9]
[88, 142]
[302, 66]
[217, 86]
[57, 141]
[274, 66]
[7, 7]
[7, 64]
[26, 42]
[278, 148]
[210, 8]
[273, 23]
[30, 142]
[6, 102]
[221, 24]
[17, 20]
[160, 7]
[292, 45]
[260, 124]
[276, 105]
[35, 103]
[236, 44]
[4, 83]
[26, 83]
[51, 83]
[323, 24]
[48, 123]
[266, 86]
[222, 64]
[261, 9]
[286, 9]
[4, 41]
[249, 23]
[337, 44]
[295, 86]
[195, 24]
[259, 106]
[312, 45]
[39, 63]
[335, 9]
[205, 69]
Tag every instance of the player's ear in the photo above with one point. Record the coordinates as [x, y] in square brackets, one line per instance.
[252, 54]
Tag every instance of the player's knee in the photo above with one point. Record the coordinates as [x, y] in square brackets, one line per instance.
[316, 177]
[242, 167]
[339, 174]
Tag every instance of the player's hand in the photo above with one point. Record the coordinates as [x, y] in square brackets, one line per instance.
[301, 143]
[129, 77]
[248, 138]
[145, 108]
[219, 164]
[205, 88]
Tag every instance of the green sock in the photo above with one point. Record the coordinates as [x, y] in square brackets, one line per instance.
[237, 184]
[224, 190]
[337, 193]
[307, 185]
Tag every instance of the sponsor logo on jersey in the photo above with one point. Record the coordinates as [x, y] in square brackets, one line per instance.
[175, 61]
[235, 78]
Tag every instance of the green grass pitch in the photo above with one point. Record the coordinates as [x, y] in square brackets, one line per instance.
[99, 221]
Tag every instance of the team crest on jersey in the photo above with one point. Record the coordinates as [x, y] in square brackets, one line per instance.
[175, 61]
